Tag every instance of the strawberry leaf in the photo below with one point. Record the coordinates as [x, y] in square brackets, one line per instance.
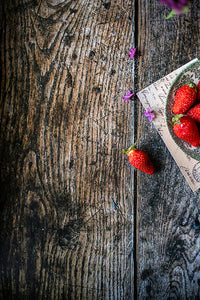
[170, 15]
[176, 119]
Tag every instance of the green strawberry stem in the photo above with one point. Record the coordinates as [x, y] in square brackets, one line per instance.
[176, 119]
[192, 85]
[173, 12]
[170, 15]
[129, 149]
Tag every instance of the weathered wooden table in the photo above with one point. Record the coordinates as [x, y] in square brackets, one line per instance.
[77, 220]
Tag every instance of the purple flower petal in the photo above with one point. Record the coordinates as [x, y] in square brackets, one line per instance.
[151, 117]
[128, 96]
[149, 114]
[132, 53]
[176, 5]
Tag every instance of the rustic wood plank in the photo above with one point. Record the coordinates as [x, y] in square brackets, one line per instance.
[66, 190]
[168, 211]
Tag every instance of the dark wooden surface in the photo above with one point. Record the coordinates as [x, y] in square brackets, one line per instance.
[168, 245]
[77, 221]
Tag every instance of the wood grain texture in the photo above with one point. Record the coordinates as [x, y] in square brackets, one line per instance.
[67, 192]
[168, 211]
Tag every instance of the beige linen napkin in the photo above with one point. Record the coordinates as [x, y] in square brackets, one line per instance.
[154, 98]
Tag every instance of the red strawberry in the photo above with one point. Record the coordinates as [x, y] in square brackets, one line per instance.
[139, 159]
[184, 98]
[198, 90]
[194, 113]
[186, 129]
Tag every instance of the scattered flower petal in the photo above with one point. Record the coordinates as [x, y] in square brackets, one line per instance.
[128, 96]
[132, 53]
[149, 114]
